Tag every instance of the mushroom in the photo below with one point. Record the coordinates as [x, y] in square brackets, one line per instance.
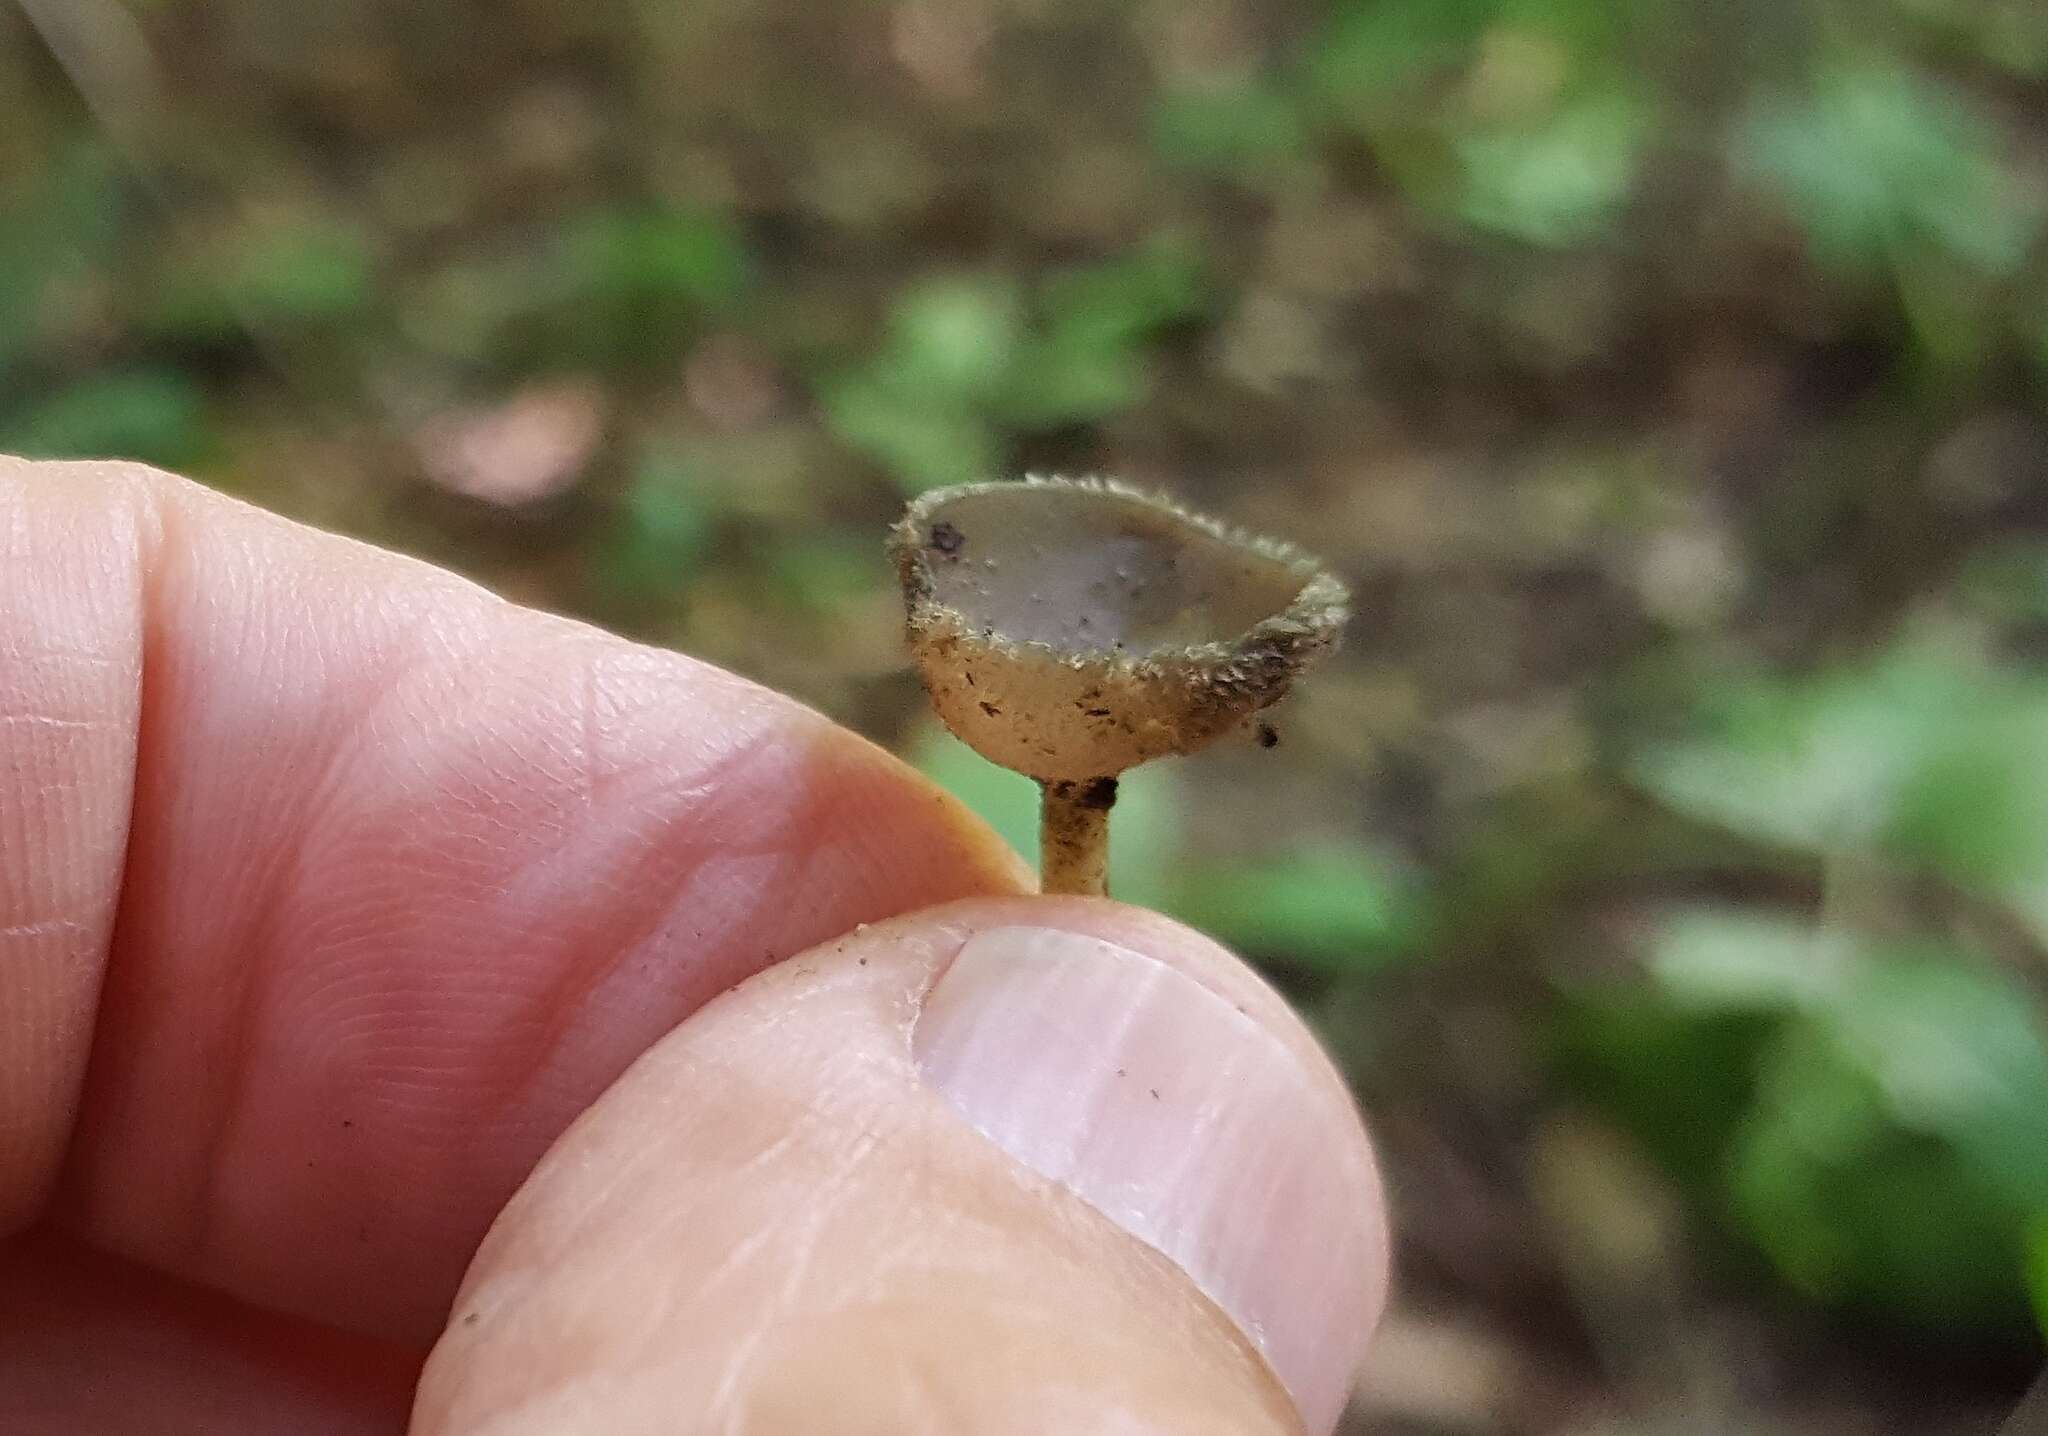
[1069, 629]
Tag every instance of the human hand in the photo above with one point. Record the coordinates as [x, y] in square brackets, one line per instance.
[347, 913]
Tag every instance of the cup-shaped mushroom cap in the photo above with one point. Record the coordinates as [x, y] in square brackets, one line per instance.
[1070, 628]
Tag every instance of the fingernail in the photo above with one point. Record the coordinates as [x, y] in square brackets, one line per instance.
[1185, 1121]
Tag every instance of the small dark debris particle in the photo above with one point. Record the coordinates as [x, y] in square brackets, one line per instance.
[1119, 1071]
[991, 709]
[471, 1319]
[1096, 712]
[1155, 1093]
[947, 539]
[347, 1122]
[967, 677]
[862, 961]
[1269, 736]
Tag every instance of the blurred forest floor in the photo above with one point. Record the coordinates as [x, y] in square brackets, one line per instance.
[1666, 857]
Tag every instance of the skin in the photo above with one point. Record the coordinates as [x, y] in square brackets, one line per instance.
[338, 898]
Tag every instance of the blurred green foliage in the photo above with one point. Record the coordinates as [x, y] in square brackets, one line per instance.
[1239, 128]
[1928, 757]
[968, 360]
[1881, 169]
[1888, 176]
[1555, 182]
[624, 285]
[1874, 1119]
[2011, 34]
[157, 415]
[663, 525]
[1864, 1097]
[306, 274]
[1642, 361]
[1339, 910]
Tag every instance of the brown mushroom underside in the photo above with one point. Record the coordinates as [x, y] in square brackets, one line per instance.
[1071, 629]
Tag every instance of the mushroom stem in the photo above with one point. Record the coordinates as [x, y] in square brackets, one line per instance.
[1073, 836]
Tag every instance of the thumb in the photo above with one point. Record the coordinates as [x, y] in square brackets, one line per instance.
[1009, 1165]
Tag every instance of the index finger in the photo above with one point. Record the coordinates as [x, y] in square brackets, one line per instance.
[333, 888]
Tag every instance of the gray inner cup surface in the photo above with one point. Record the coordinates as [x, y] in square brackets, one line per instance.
[1093, 572]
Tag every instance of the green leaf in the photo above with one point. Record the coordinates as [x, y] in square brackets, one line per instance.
[1057, 383]
[922, 439]
[1923, 756]
[919, 408]
[1876, 162]
[1954, 1051]
[1975, 808]
[1126, 299]
[1819, 765]
[963, 360]
[954, 339]
[1856, 1211]
[1556, 182]
[2037, 1269]
[2008, 580]
[1680, 1080]
[1729, 959]
[2012, 34]
[66, 225]
[627, 285]
[1238, 130]
[305, 274]
[465, 309]
[1874, 1122]
[1374, 55]
[1899, 1138]
[1958, 318]
[154, 415]
[822, 571]
[1339, 909]
[1088, 362]
[661, 531]
[657, 255]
